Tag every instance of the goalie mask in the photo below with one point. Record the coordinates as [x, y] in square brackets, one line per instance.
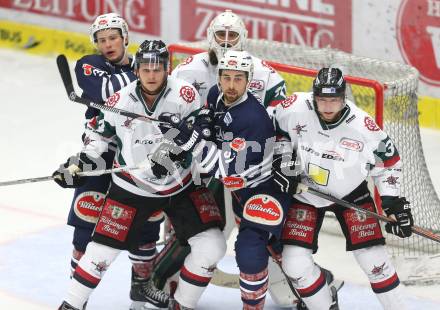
[226, 32]
[109, 21]
[153, 52]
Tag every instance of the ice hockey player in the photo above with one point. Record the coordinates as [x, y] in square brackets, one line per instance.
[135, 195]
[241, 157]
[339, 146]
[226, 32]
[100, 76]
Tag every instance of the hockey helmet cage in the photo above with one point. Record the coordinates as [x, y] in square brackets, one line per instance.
[154, 52]
[238, 61]
[109, 21]
[329, 83]
[227, 22]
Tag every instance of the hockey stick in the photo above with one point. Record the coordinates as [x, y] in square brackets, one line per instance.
[289, 282]
[415, 229]
[82, 174]
[63, 68]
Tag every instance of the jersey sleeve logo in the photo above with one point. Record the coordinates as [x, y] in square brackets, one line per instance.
[370, 124]
[112, 100]
[87, 69]
[188, 94]
[289, 101]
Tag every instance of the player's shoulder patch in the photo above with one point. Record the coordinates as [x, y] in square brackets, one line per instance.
[113, 99]
[289, 101]
[187, 93]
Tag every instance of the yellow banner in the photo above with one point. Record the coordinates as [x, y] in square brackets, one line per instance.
[44, 41]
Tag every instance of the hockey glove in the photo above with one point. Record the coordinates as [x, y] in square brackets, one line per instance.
[399, 209]
[187, 133]
[66, 176]
[284, 173]
[164, 158]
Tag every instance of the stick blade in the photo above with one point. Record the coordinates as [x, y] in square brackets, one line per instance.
[64, 69]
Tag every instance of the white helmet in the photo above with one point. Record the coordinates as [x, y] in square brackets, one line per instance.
[108, 21]
[239, 61]
[229, 22]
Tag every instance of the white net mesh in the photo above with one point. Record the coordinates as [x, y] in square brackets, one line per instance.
[400, 119]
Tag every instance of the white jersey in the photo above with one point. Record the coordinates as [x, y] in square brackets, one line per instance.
[267, 85]
[336, 158]
[137, 140]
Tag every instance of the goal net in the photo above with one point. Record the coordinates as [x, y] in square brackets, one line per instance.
[386, 90]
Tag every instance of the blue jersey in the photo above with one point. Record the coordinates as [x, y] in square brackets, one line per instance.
[99, 79]
[241, 155]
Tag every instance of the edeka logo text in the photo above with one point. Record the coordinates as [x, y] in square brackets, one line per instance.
[141, 15]
[418, 34]
[316, 23]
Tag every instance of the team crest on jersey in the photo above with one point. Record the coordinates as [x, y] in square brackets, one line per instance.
[88, 206]
[256, 85]
[263, 209]
[112, 100]
[188, 94]
[370, 124]
[87, 69]
[233, 182]
[238, 144]
[289, 101]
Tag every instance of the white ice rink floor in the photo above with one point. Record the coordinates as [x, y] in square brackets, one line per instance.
[39, 129]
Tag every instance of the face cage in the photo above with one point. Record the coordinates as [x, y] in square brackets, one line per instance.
[221, 49]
